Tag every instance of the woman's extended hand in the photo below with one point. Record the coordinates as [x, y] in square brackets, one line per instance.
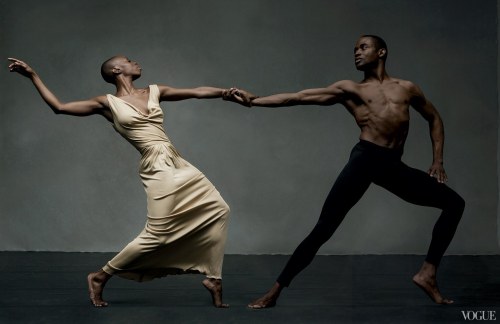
[20, 67]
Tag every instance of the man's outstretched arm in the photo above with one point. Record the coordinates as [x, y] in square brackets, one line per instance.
[319, 96]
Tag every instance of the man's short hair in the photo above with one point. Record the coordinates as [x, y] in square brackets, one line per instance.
[379, 43]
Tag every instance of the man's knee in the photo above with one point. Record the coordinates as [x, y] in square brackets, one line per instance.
[456, 204]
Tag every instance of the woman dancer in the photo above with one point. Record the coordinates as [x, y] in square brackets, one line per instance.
[186, 223]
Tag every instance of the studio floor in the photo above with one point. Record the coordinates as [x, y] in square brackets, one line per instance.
[50, 287]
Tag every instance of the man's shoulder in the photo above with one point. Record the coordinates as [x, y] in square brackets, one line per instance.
[404, 83]
[357, 84]
[345, 84]
[412, 88]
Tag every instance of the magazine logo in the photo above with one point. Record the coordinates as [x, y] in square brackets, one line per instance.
[470, 315]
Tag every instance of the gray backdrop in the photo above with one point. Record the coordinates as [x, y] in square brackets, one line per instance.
[71, 184]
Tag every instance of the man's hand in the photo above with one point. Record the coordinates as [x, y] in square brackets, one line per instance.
[239, 96]
[20, 67]
[437, 171]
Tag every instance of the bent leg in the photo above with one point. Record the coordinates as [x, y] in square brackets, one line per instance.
[419, 188]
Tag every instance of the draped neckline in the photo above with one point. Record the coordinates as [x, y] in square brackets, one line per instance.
[134, 107]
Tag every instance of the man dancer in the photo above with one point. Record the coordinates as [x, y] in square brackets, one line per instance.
[380, 106]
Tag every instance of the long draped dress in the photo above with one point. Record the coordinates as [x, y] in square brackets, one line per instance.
[187, 218]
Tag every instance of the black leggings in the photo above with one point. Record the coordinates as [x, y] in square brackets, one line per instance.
[372, 163]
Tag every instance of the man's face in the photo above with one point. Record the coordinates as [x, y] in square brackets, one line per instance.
[365, 53]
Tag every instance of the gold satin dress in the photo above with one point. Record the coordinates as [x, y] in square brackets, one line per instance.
[187, 218]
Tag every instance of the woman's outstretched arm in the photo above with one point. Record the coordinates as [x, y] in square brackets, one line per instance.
[97, 105]
[173, 94]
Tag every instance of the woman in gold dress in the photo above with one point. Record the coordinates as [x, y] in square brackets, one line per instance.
[186, 225]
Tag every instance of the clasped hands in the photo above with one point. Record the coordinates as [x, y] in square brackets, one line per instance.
[239, 96]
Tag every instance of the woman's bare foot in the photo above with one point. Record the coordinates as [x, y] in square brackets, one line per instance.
[96, 282]
[426, 280]
[268, 300]
[214, 286]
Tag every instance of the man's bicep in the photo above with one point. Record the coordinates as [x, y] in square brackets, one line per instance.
[417, 97]
[424, 107]
[321, 96]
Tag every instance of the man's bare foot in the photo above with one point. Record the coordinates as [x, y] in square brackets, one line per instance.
[214, 286]
[96, 282]
[426, 280]
[268, 300]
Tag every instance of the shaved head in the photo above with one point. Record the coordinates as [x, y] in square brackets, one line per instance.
[107, 69]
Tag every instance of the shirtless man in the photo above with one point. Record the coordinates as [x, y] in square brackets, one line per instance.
[380, 105]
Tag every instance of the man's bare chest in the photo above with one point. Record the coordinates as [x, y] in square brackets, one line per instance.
[383, 103]
[382, 96]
